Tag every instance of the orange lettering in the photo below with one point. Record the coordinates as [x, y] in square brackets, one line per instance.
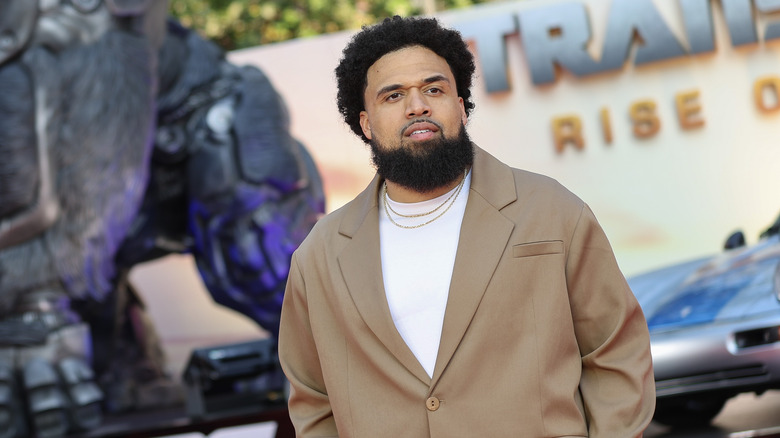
[567, 129]
[767, 85]
[646, 122]
[689, 110]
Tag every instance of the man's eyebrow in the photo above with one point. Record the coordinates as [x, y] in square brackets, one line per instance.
[436, 78]
[428, 80]
[387, 89]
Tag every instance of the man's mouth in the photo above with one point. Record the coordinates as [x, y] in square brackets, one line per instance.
[422, 130]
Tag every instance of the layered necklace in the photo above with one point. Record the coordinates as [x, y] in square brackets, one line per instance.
[448, 202]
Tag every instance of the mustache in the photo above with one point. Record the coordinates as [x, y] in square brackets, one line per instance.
[420, 120]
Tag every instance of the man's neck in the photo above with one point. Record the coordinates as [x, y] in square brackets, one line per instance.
[399, 193]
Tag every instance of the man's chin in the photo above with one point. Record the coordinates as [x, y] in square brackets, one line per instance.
[423, 146]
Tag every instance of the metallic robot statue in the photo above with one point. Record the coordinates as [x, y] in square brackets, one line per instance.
[125, 137]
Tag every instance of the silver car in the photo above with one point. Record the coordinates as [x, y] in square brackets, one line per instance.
[714, 328]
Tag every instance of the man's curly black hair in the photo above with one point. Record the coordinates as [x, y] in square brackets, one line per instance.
[392, 34]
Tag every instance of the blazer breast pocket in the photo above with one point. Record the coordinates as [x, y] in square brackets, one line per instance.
[531, 249]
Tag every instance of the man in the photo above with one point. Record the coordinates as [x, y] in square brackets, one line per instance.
[455, 296]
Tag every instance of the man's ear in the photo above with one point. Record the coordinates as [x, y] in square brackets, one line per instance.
[365, 124]
[464, 118]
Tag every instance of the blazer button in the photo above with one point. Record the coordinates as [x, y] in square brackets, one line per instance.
[432, 403]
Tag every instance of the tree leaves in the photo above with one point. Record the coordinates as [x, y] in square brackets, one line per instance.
[236, 24]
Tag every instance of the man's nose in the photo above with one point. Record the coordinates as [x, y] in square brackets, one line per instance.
[417, 105]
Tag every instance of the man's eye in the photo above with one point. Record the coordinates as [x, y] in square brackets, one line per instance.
[393, 96]
[434, 90]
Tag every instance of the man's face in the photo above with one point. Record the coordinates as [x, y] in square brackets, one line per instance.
[411, 97]
[413, 110]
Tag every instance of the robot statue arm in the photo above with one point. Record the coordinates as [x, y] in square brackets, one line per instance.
[254, 195]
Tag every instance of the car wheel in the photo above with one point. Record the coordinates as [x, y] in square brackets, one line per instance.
[690, 412]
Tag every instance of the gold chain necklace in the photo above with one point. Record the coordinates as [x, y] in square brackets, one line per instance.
[421, 214]
[453, 196]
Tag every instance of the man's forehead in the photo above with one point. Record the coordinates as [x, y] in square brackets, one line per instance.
[415, 63]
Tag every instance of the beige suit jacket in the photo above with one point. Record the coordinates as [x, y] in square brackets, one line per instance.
[542, 336]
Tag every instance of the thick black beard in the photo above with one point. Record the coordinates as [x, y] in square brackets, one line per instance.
[427, 165]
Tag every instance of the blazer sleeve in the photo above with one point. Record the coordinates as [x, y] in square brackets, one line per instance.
[308, 403]
[617, 383]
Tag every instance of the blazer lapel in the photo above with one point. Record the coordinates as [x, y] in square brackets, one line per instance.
[483, 238]
[361, 268]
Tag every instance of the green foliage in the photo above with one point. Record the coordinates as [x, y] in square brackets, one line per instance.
[235, 24]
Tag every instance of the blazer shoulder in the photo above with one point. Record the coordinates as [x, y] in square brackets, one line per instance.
[325, 227]
[493, 180]
[538, 187]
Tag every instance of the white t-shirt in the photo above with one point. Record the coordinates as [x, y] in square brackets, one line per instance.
[417, 268]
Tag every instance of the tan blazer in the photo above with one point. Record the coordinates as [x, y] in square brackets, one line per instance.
[542, 336]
